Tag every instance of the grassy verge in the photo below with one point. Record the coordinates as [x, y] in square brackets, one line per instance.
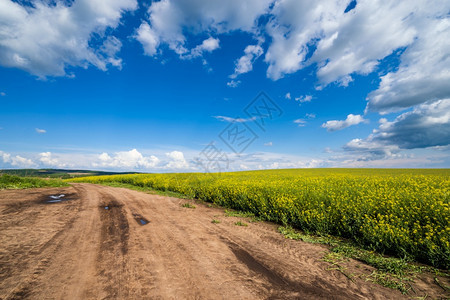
[144, 189]
[242, 214]
[391, 272]
[16, 182]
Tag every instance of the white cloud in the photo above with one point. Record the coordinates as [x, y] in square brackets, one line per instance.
[3, 94]
[44, 39]
[338, 125]
[232, 120]
[48, 160]
[423, 74]
[208, 45]
[269, 144]
[132, 159]
[294, 25]
[104, 157]
[288, 96]
[367, 149]
[275, 165]
[355, 42]
[21, 162]
[177, 160]
[390, 161]
[233, 83]
[40, 131]
[269, 160]
[245, 63]
[243, 167]
[17, 161]
[427, 125]
[303, 99]
[346, 43]
[168, 20]
[148, 38]
[111, 46]
[303, 122]
[6, 157]
[300, 122]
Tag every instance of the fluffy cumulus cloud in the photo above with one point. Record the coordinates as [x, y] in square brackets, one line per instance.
[428, 125]
[169, 19]
[294, 25]
[16, 161]
[346, 42]
[208, 45]
[176, 161]
[245, 63]
[424, 71]
[351, 120]
[132, 159]
[47, 159]
[46, 37]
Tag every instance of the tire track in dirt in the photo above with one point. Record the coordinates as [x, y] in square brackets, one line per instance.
[112, 257]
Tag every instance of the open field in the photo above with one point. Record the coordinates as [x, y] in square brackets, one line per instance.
[100, 242]
[394, 211]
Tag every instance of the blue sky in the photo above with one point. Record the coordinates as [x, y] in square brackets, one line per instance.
[156, 86]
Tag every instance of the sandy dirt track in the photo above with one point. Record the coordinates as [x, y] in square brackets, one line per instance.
[77, 249]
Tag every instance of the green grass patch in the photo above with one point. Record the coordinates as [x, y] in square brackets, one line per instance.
[239, 223]
[291, 233]
[16, 182]
[243, 214]
[187, 205]
[215, 221]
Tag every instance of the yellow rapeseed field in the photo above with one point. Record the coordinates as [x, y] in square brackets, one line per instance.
[403, 212]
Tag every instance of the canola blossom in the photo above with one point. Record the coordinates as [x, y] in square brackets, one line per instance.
[403, 212]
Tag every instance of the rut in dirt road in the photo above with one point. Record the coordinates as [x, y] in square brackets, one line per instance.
[114, 243]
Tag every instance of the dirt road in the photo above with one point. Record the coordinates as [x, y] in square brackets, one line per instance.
[113, 243]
